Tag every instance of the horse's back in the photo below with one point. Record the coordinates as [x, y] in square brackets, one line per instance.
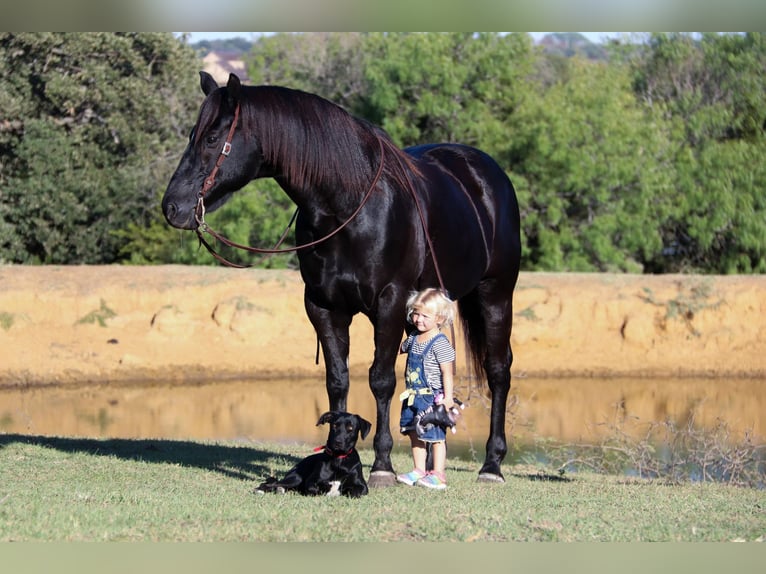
[465, 174]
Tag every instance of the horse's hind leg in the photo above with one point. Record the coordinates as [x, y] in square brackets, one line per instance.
[498, 316]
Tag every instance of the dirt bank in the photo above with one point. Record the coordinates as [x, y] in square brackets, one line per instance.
[173, 323]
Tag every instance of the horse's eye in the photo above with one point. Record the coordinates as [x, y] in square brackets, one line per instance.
[211, 140]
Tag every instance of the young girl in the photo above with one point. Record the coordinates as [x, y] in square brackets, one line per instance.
[429, 381]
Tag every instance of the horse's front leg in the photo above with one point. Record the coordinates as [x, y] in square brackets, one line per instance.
[332, 328]
[389, 328]
[383, 385]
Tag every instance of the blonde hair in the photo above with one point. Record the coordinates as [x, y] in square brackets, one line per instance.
[436, 301]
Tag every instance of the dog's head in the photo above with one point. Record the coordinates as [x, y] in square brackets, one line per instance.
[345, 429]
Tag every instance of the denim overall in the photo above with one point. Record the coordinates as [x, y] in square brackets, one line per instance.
[418, 395]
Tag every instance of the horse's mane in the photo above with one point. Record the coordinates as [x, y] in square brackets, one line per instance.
[314, 141]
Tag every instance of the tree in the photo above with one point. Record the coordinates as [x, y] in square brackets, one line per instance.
[584, 156]
[711, 90]
[447, 87]
[329, 64]
[91, 124]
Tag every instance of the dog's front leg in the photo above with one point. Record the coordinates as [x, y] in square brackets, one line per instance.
[357, 490]
[355, 485]
[270, 485]
[323, 479]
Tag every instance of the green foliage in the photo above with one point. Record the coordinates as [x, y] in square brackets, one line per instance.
[691, 299]
[6, 320]
[446, 87]
[712, 94]
[87, 121]
[649, 158]
[636, 164]
[583, 153]
[326, 63]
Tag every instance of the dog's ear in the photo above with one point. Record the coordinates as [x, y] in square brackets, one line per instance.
[364, 426]
[328, 417]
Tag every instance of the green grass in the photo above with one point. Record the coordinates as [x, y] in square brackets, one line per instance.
[62, 489]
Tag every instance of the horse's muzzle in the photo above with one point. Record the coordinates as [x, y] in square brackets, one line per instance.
[178, 217]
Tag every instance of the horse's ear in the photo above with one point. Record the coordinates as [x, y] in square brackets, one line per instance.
[207, 83]
[234, 87]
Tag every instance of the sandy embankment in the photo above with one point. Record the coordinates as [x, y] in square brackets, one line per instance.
[68, 325]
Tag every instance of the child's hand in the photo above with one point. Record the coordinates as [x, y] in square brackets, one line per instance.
[450, 402]
[455, 410]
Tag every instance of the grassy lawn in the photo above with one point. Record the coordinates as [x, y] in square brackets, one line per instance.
[66, 489]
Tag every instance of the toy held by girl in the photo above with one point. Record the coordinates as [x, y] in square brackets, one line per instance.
[429, 382]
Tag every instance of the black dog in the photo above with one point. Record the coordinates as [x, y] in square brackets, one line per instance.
[334, 471]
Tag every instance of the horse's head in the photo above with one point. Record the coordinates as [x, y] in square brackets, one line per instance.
[208, 162]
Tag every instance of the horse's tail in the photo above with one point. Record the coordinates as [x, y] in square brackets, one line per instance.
[474, 334]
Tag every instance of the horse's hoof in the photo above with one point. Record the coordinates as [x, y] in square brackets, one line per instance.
[381, 479]
[490, 477]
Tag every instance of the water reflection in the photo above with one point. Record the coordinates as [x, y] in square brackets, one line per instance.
[569, 410]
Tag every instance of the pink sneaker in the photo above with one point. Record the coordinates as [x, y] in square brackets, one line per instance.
[433, 480]
[411, 477]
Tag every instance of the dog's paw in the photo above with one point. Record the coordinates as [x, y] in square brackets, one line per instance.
[269, 486]
[334, 488]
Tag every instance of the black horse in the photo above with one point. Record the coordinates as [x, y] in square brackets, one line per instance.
[377, 222]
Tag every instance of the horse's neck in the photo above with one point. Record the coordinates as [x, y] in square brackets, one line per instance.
[328, 199]
[315, 201]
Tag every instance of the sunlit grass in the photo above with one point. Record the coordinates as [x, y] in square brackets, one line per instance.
[70, 489]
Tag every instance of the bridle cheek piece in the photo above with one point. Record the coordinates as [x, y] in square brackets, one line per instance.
[199, 211]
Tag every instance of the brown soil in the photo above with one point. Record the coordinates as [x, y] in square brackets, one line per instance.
[71, 325]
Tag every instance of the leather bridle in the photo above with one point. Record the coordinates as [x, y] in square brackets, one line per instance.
[202, 226]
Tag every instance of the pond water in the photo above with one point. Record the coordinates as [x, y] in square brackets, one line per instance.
[581, 411]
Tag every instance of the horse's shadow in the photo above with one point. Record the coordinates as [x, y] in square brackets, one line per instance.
[240, 462]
